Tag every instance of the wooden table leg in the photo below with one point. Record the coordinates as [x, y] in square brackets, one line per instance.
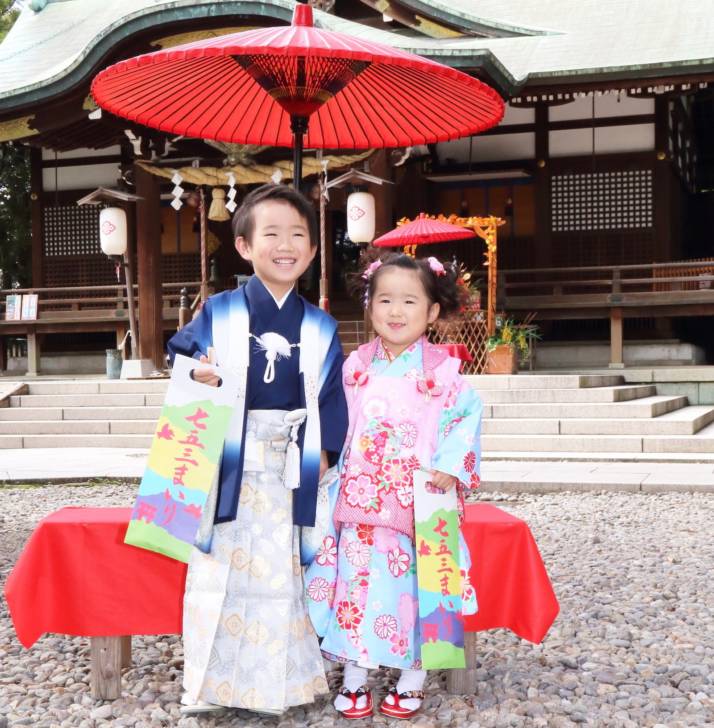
[463, 682]
[107, 657]
[126, 651]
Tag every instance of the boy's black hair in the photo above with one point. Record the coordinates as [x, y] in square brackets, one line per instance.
[441, 289]
[243, 221]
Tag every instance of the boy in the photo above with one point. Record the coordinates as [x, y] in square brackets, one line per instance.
[248, 641]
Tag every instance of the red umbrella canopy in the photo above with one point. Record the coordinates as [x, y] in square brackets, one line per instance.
[423, 231]
[246, 87]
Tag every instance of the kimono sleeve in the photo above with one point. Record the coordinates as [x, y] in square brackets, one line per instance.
[458, 450]
[194, 338]
[332, 403]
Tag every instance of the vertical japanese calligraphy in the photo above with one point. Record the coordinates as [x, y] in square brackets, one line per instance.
[438, 575]
[182, 463]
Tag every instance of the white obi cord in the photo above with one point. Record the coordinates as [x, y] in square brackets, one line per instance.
[291, 474]
[275, 347]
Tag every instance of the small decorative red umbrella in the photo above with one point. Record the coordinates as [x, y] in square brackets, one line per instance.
[422, 231]
[284, 85]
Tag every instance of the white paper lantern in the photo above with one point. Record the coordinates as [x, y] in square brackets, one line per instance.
[360, 217]
[112, 231]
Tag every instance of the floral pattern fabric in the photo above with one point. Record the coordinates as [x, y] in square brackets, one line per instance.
[362, 587]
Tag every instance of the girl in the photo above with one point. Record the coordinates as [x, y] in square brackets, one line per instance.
[408, 409]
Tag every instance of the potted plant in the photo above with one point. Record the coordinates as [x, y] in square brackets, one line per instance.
[510, 343]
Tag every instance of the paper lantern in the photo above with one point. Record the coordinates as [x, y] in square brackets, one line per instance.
[112, 231]
[360, 217]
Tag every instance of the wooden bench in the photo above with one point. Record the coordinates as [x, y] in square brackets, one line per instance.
[88, 582]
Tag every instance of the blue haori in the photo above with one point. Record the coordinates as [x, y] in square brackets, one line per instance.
[317, 358]
[248, 639]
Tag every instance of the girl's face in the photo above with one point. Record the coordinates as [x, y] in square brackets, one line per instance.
[400, 309]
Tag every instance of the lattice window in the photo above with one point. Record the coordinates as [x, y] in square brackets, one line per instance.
[71, 230]
[602, 201]
[472, 332]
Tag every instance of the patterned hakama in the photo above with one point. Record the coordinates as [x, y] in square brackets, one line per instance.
[248, 640]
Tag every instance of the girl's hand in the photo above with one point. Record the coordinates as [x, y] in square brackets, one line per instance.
[205, 374]
[324, 464]
[443, 481]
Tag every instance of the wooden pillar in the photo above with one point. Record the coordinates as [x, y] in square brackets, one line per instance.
[542, 190]
[36, 214]
[384, 195]
[664, 190]
[662, 183]
[616, 358]
[148, 253]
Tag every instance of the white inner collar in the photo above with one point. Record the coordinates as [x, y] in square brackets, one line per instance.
[279, 303]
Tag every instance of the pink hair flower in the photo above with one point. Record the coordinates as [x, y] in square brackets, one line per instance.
[436, 266]
[429, 386]
[371, 269]
[356, 378]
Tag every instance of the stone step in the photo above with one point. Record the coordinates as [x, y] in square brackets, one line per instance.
[560, 443]
[685, 421]
[85, 400]
[515, 426]
[77, 440]
[102, 386]
[78, 413]
[78, 427]
[645, 407]
[543, 381]
[545, 458]
[701, 442]
[620, 393]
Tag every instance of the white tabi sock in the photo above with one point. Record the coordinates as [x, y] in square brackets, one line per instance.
[409, 680]
[354, 678]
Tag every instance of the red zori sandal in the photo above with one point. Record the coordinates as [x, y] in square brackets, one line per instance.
[355, 713]
[395, 710]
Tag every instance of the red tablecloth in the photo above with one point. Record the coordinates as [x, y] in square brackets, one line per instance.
[512, 585]
[460, 351]
[76, 576]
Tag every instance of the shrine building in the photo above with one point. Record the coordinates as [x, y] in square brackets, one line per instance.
[602, 168]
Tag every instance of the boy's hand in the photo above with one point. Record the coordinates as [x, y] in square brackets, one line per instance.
[206, 374]
[323, 463]
[442, 481]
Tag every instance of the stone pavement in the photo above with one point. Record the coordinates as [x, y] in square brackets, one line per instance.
[534, 475]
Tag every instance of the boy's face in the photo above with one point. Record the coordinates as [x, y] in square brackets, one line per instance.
[280, 250]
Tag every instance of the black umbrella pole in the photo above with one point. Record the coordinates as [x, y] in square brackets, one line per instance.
[298, 126]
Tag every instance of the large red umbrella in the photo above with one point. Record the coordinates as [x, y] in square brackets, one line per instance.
[422, 231]
[284, 85]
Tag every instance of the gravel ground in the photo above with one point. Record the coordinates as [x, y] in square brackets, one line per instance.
[633, 645]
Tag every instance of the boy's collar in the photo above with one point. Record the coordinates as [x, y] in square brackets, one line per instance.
[255, 288]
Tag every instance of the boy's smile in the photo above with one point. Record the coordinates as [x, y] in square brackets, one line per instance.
[280, 249]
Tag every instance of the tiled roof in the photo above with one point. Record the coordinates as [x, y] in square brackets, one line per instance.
[533, 42]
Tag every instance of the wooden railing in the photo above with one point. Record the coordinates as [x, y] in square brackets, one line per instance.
[662, 290]
[682, 283]
[87, 309]
[90, 301]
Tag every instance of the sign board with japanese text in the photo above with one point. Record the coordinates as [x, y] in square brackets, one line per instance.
[184, 456]
[441, 621]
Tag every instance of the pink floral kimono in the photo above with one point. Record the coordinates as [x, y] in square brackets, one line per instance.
[413, 412]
